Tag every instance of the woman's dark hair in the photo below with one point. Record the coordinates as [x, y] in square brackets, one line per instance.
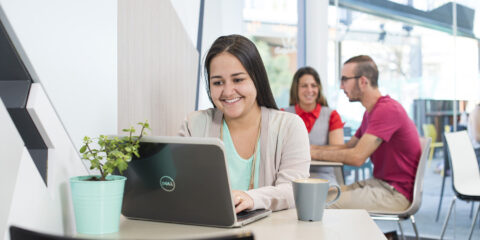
[246, 52]
[296, 80]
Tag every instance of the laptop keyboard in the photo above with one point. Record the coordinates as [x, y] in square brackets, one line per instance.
[248, 214]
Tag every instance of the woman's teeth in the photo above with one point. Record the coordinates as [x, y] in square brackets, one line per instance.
[231, 100]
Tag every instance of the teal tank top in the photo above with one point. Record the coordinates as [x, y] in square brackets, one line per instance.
[239, 169]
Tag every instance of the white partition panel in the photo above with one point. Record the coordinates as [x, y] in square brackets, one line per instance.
[11, 149]
[37, 206]
[70, 46]
[157, 66]
[63, 159]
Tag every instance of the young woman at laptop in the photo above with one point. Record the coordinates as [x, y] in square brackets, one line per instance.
[266, 148]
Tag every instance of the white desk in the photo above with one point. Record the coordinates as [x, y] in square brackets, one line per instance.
[336, 224]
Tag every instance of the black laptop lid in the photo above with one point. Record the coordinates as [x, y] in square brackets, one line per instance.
[182, 180]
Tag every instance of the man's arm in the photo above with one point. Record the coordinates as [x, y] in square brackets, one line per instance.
[351, 143]
[354, 153]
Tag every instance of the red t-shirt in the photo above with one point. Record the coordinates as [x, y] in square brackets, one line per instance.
[396, 159]
[309, 118]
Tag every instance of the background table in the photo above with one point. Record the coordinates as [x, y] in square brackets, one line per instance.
[338, 168]
[336, 224]
[325, 163]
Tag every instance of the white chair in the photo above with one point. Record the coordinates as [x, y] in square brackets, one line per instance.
[417, 194]
[465, 174]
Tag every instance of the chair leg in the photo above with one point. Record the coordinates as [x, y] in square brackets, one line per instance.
[412, 219]
[430, 157]
[339, 171]
[401, 229]
[471, 209]
[441, 198]
[473, 223]
[448, 216]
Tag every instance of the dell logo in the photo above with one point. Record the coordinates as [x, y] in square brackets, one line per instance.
[167, 183]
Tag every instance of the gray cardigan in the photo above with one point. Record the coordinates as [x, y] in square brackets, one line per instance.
[285, 152]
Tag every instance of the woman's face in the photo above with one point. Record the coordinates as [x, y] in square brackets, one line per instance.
[231, 88]
[307, 90]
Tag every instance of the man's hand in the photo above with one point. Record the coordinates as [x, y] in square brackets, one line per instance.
[242, 201]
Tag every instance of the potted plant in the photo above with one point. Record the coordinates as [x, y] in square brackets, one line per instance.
[97, 199]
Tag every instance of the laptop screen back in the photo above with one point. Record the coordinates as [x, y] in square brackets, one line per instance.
[182, 180]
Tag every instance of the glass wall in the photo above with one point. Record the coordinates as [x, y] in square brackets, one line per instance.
[424, 62]
[272, 25]
[427, 54]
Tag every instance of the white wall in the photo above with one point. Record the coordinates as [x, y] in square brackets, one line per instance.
[32, 204]
[188, 12]
[72, 48]
[11, 150]
[220, 18]
[317, 38]
[69, 47]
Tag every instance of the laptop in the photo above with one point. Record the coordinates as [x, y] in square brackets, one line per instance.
[182, 180]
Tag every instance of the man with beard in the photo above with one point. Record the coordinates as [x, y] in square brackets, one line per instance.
[387, 136]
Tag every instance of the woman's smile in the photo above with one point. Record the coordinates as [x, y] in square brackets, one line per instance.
[231, 100]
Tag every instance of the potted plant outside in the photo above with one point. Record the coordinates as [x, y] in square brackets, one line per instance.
[97, 199]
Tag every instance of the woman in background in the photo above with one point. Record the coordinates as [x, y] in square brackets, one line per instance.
[266, 148]
[324, 125]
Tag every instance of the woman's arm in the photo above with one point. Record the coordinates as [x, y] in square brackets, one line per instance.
[335, 137]
[184, 131]
[293, 153]
[476, 118]
[197, 124]
[335, 129]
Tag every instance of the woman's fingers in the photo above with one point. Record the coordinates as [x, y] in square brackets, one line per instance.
[241, 206]
[242, 201]
[236, 200]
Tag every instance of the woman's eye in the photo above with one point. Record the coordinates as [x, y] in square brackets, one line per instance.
[217, 83]
[237, 79]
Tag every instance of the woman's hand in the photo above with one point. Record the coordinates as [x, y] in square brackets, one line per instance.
[242, 201]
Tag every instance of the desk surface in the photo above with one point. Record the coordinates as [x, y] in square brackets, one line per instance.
[336, 224]
[325, 163]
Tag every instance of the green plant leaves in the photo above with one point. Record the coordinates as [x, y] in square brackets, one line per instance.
[110, 153]
[83, 148]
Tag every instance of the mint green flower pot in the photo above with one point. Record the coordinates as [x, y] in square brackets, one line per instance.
[97, 204]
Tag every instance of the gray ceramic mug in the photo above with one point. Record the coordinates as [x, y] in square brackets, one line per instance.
[310, 197]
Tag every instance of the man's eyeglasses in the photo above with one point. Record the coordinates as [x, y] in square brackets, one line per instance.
[344, 79]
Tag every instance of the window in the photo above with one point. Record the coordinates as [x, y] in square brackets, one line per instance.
[272, 26]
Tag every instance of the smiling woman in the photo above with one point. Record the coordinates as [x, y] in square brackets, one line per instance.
[231, 88]
[266, 149]
[324, 124]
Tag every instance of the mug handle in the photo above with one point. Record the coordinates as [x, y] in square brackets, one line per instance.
[336, 198]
